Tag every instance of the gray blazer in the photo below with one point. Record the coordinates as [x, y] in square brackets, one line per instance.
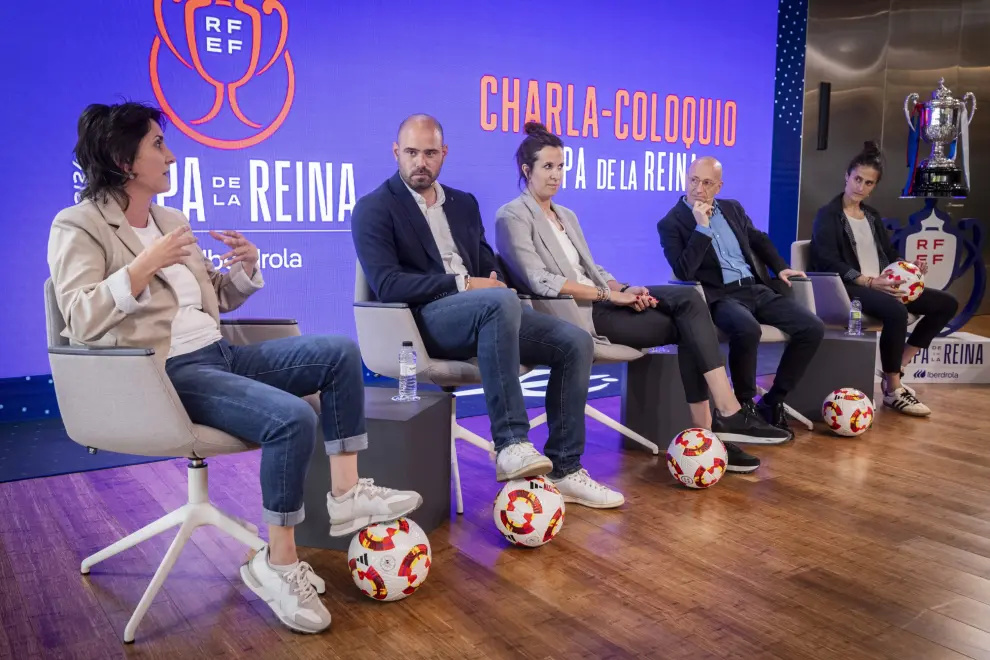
[535, 260]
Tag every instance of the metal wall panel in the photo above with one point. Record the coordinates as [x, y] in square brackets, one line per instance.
[847, 46]
[876, 53]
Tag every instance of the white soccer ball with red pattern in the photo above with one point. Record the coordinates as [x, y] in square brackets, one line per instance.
[908, 277]
[390, 560]
[529, 512]
[697, 458]
[848, 412]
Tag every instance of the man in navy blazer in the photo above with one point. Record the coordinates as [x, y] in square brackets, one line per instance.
[715, 243]
[423, 244]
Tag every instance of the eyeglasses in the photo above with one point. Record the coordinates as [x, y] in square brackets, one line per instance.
[707, 184]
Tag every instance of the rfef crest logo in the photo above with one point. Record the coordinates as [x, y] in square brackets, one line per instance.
[221, 71]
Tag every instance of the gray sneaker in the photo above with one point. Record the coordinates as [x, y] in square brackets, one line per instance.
[291, 595]
[367, 504]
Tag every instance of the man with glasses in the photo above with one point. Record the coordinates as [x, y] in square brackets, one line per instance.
[715, 243]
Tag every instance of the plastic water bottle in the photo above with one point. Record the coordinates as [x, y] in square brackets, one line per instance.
[407, 374]
[855, 318]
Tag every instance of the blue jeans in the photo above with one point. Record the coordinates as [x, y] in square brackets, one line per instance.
[253, 392]
[494, 326]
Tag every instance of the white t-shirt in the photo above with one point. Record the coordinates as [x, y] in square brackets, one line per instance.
[866, 246]
[571, 253]
[192, 328]
[453, 264]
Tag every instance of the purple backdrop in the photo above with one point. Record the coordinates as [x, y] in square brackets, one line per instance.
[346, 75]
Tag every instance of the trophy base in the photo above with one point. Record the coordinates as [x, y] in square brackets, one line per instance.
[939, 182]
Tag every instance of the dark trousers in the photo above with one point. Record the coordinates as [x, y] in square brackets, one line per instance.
[937, 308]
[739, 313]
[681, 316]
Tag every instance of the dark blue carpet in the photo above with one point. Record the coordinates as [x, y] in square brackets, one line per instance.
[40, 448]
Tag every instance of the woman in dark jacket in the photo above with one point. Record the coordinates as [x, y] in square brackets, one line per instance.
[850, 240]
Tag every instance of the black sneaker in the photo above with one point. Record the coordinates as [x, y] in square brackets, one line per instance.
[740, 461]
[747, 429]
[775, 416]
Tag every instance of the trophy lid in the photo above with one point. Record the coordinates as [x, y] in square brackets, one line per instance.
[943, 95]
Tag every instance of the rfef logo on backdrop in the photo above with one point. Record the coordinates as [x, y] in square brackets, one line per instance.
[221, 45]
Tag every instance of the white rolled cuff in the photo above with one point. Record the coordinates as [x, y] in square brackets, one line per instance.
[460, 280]
[243, 283]
[120, 288]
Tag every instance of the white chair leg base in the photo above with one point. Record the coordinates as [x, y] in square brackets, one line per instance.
[458, 432]
[599, 416]
[536, 421]
[799, 418]
[793, 414]
[197, 513]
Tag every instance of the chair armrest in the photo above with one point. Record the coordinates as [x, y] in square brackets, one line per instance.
[119, 399]
[381, 305]
[241, 332]
[381, 329]
[104, 351]
[803, 293]
[831, 298]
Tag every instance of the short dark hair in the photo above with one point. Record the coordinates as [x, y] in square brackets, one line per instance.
[537, 137]
[420, 116]
[109, 137]
[870, 156]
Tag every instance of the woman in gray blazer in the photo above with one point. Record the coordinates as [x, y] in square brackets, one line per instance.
[546, 254]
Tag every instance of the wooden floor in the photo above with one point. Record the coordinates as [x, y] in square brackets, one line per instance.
[875, 547]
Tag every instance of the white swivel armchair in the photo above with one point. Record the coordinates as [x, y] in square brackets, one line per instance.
[801, 292]
[831, 300]
[120, 400]
[381, 329]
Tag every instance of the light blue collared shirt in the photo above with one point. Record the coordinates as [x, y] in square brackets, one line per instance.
[730, 255]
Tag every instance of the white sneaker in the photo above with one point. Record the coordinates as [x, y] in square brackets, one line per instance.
[291, 595]
[579, 488]
[905, 402]
[519, 461]
[367, 504]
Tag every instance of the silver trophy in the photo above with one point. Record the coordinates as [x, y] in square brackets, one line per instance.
[940, 123]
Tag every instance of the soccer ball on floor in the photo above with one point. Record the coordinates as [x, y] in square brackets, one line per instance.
[390, 560]
[697, 458]
[529, 512]
[848, 412]
[908, 277]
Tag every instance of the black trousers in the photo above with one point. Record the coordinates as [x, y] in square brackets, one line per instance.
[937, 308]
[680, 317]
[739, 314]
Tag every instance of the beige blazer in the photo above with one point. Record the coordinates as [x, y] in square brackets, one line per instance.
[92, 242]
[535, 260]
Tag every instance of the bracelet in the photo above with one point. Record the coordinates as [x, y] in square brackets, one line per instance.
[623, 289]
[467, 282]
[869, 282]
[602, 294]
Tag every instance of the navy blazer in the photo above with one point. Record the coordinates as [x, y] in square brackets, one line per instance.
[692, 256]
[397, 251]
[833, 246]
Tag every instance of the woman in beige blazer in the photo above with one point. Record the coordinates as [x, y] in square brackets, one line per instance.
[546, 254]
[128, 272]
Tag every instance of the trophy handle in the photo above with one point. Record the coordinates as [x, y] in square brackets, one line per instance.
[970, 95]
[909, 103]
